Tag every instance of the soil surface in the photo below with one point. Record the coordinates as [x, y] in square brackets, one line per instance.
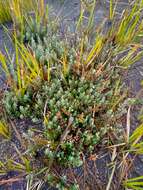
[68, 12]
[5, 42]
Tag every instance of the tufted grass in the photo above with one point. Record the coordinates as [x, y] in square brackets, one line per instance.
[14, 9]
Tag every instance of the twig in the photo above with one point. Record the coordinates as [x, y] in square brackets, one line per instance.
[17, 134]
[111, 177]
[113, 170]
[7, 181]
[128, 124]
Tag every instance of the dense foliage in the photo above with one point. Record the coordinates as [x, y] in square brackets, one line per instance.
[72, 86]
[76, 111]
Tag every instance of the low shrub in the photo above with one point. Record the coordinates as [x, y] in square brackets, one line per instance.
[74, 89]
[76, 112]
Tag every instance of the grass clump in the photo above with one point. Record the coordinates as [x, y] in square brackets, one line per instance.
[4, 131]
[14, 10]
[4, 11]
[76, 104]
[77, 99]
